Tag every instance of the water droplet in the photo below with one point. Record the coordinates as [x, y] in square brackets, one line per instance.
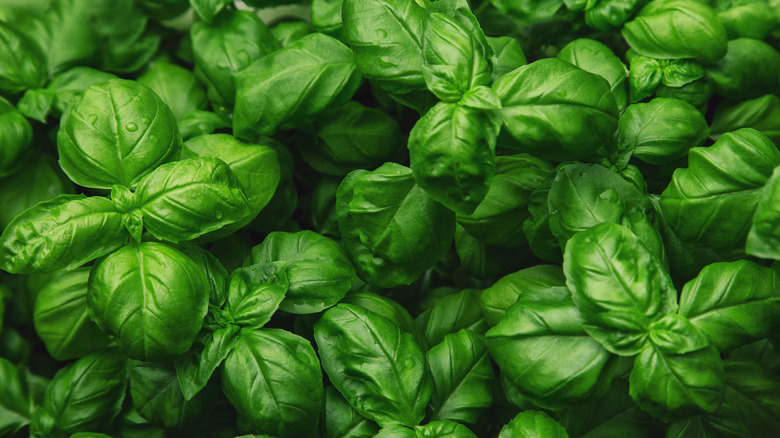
[145, 120]
[382, 33]
[222, 66]
[132, 127]
[409, 363]
[92, 118]
[218, 214]
[153, 139]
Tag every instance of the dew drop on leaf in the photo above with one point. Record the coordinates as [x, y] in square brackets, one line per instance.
[92, 118]
[132, 127]
[218, 214]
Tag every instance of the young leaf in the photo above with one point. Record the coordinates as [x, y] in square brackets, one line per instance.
[318, 271]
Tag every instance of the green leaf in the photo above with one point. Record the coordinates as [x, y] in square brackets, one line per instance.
[462, 376]
[227, 45]
[325, 16]
[585, 195]
[216, 274]
[498, 218]
[313, 74]
[451, 313]
[762, 239]
[15, 402]
[609, 269]
[118, 132]
[613, 415]
[455, 50]
[86, 395]
[156, 395]
[255, 293]
[387, 38]
[675, 386]
[726, 422]
[378, 368]
[391, 229]
[662, 130]
[22, 66]
[542, 347]
[340, 420]
[256, 166]
[753, 389]
[556, 110]
[36, 179]
[623, 333]
[712, 201]
[60, 317]
[499, 297]
[452, 155]
[390, 309]
[318, 271]
[151, 298]
[63, 90]
[595, 57]
[351, 137]
[208, 9]
[507, 55]
[533, 424]
[273, 379]
[15, 136]
[176, 86]
[761, 114]
[749, 70]
[187, 199]
[68, 38]
[674, 334]
[200, 123]
[195, 368]
[733, 303]
[673, 29]
[62, 233]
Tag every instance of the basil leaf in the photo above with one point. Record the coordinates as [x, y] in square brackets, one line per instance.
[62, 233]
[317, 71]
[318, 271]
[60, 317]
[284, 397]
[462, 377]
[151, 298]
[378, 368]
[116, 134]
[187, 199]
